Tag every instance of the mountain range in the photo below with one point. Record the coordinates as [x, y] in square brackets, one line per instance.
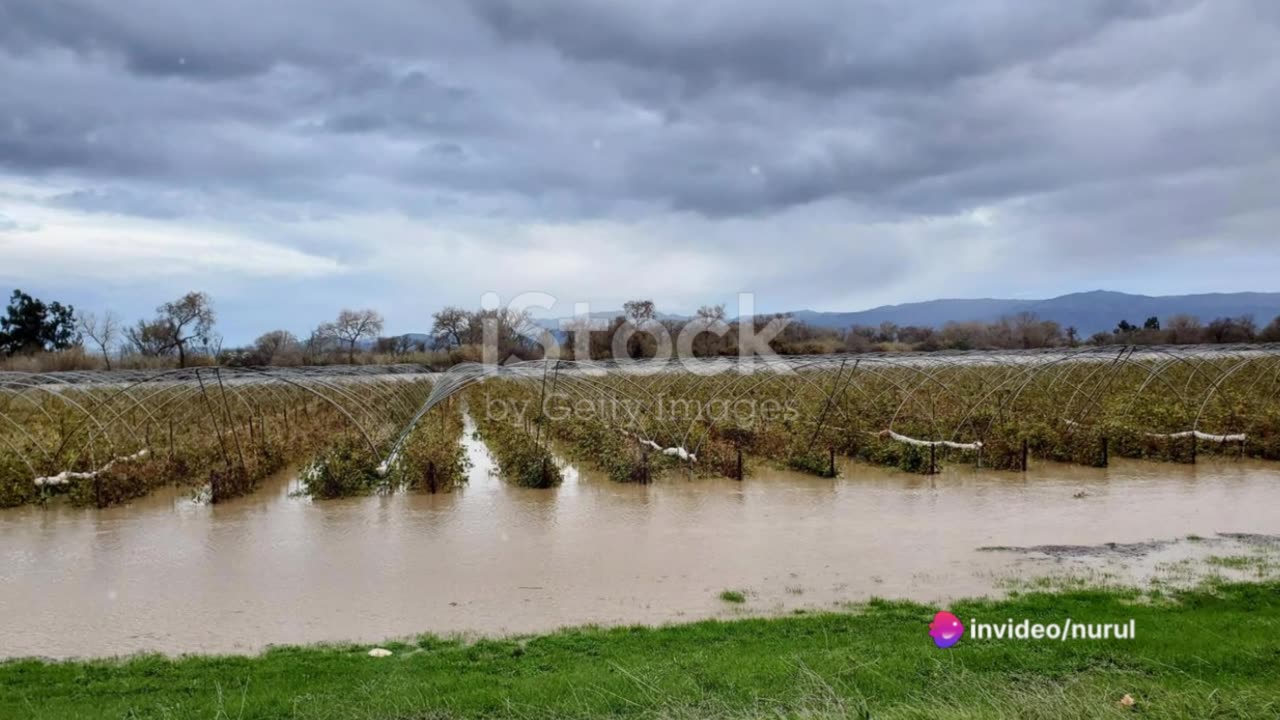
[1088, 312]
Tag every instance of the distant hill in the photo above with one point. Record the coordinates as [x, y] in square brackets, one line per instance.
[1089, 312]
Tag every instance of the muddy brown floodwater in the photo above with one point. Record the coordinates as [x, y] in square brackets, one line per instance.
[171, 575]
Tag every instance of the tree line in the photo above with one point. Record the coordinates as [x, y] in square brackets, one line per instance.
[183, 332]
[38, 335]
[1027, 331]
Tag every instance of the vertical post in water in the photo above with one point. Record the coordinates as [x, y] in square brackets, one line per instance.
[1193, 447]
[213, 416]
[226, 409]
[1106, 451]
[739, 472]
[1024, 454]
[170, 439]
[933, 458]
[832, 460]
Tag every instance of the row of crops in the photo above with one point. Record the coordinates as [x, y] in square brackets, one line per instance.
[104, 438]
[916, 413]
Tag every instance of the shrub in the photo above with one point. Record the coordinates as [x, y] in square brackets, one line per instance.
[344, 470]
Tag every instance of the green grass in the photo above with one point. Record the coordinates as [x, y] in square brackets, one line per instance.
[1258, 565]
[733, 596]
[1208, 653]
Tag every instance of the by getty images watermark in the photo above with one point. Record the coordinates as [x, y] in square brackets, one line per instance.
[629, 412]
[946, 630]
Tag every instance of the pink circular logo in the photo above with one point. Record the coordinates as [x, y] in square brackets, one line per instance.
[945, 629]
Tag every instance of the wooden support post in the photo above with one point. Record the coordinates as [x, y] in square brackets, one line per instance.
[1106, 451]
[832, 459]
[739, 473]
[1194, 443]
[933, 458]
[1024, 454]
[170, 439]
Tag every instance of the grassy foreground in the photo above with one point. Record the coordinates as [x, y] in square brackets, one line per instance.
[1209, 653]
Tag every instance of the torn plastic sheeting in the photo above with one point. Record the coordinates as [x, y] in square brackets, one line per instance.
[67, 476]
[933, 443]
[1239, 437]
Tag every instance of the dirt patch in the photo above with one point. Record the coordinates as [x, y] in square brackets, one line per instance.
[1139, 549]
[1253, 539]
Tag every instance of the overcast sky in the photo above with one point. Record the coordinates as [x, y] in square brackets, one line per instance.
[295, 156]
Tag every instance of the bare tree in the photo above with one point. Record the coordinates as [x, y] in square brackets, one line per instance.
[352, 326]
[451, 325]
[638, 311]
[189, 318]
[150, 338]
[103, 331]
[705, 342]
[397, 345]
[1270, 333]
[1231, 330]
[711, 313]
[319, 343]
[1183, 329]
[271, 346]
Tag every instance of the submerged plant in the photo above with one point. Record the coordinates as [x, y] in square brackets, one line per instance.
[345, 469]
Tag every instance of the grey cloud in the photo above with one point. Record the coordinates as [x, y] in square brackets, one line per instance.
[91, 28]
[569, 109]
[828, 45]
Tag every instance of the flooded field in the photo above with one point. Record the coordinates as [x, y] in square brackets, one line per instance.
[166, 573]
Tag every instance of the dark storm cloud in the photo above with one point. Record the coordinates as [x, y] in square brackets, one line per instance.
[91, 29]
[590, 109]
[824, 46]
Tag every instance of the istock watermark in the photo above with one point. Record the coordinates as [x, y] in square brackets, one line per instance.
[636, 340]
[946, 630]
